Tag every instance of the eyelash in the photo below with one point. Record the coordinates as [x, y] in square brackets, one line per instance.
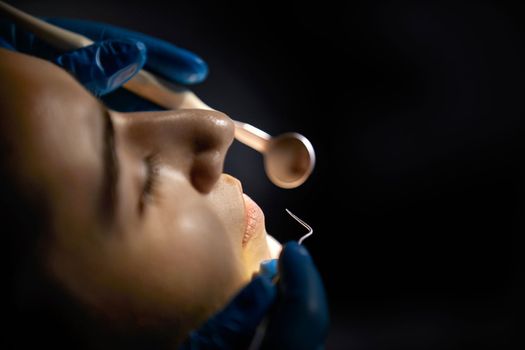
[152, 176]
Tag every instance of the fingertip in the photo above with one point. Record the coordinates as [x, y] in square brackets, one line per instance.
[179, 65]
[104, 66]
[293, 250]
[122, 54]
[297, 270]
[269, 268]
[196, 70]
[141, 51]
[128, 58]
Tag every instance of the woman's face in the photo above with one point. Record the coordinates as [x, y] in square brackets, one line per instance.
[145, 226]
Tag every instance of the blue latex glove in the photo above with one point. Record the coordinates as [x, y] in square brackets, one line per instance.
[164, 59]
[295, 310]
[115, 57]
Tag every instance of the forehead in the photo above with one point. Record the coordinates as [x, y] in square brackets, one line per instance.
[48, 121]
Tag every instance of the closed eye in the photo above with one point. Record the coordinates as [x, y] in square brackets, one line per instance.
[152, 163]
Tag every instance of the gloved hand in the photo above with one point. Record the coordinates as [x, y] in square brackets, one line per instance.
[294, 311]
[115, 57]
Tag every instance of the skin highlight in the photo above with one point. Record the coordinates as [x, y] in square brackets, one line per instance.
[172, 256]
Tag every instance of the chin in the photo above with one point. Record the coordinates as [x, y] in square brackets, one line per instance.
[260, 248]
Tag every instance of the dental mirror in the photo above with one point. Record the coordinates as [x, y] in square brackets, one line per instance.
[288, 158]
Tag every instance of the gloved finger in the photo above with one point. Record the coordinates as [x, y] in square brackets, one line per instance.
[164, 59]
[269, 268]
[101, 67]
[300, 319]
[234, 326]
[106, 65]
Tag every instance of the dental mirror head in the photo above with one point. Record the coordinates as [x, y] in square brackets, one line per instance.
[289, 160]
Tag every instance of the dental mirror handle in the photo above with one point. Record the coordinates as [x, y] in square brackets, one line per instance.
[166, 95]
[144, 84]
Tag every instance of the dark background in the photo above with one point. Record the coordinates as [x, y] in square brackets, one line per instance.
[416, 112]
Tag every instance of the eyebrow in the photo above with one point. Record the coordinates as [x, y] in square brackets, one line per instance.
[111, 170]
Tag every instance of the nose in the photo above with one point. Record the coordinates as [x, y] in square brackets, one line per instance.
[192, 141]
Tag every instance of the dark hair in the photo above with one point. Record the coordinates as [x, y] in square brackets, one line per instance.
[37, 308]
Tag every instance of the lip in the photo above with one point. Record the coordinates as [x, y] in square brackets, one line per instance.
[254, 219]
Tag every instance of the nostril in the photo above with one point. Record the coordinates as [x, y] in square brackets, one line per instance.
[203, 143]
[206, 170]
[212, 136]
[194, 141]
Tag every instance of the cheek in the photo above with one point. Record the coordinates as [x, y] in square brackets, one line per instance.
[180, 262]
[182, 259]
